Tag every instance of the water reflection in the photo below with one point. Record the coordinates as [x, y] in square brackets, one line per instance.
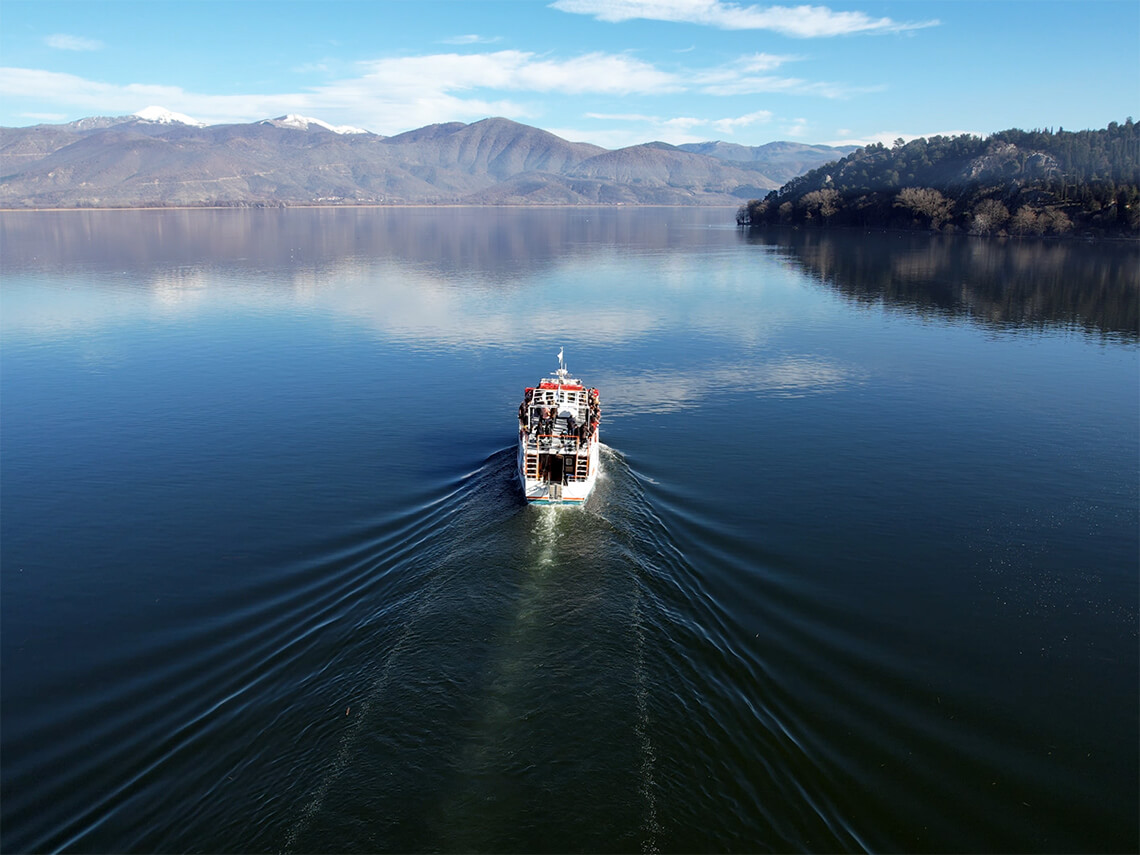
[1009, 284]
[498, 241]
[491, 278]
[783, 377]
[461, 277]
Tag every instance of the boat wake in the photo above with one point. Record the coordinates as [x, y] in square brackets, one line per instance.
[518, 675]
[427, 540]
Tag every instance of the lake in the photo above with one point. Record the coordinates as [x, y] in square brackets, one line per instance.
[860, 573]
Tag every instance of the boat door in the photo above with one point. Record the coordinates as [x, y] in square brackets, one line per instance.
[556, 470]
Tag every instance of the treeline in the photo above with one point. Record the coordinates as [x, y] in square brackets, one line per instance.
[1011, 183]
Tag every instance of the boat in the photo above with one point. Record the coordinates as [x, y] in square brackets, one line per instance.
[558, 440]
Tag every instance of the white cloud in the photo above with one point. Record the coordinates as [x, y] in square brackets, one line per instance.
[724, 126]
[762, 62]
[685, 122]
[98, 98]
[726, 85]
[795, 21]
[395, 94]
[747, 76]
[728, 126]
[398, 93]
[471, 39]
[388, 95]
[519, 70]
[622, 117]
[682, 124]
[676, 130]
[795, 128]
[63, 41]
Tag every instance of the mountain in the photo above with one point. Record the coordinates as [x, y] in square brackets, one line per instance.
[498, 148]
[304, 123]
[166, 117]
[159, 158]
[781, 161]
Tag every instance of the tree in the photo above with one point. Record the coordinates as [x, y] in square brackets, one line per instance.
[823, 202]
[1026, 222]
[988, 217]
[1055, 221]
[925, 202]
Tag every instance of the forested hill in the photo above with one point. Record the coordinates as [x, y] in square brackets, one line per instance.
[1013, 182]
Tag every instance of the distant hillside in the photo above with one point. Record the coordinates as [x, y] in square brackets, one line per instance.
[158, 158]
[498, 148]
[780, 161]
[1014, 182]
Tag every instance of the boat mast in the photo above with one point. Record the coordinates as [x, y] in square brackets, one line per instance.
[562, 372]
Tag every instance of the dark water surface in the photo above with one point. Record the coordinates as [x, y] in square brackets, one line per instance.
[860, 574]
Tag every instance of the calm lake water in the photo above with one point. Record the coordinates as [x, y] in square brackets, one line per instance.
[861, 572]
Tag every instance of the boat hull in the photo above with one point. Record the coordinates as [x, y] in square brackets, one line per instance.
[557, 491]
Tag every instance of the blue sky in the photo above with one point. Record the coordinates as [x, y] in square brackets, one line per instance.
[610, 72]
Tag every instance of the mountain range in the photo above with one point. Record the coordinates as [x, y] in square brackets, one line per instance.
[157, 158]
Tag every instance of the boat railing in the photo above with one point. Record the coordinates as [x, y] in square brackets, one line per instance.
[563, 442]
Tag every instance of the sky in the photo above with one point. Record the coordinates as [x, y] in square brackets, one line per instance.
[609, 72]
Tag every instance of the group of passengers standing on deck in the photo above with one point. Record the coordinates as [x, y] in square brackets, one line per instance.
[548, 415]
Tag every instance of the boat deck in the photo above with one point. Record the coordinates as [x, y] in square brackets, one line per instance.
[559, 442]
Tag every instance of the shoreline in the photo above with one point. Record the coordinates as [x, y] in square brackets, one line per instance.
[307, 206]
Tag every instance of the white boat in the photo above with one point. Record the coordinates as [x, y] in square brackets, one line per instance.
[558, 440]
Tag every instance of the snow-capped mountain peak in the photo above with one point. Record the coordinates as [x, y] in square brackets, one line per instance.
[303, 123]
[166, 117]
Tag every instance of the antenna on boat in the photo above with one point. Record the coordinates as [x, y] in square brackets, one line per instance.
[561, 367]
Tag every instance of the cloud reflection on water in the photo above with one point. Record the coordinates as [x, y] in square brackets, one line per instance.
[508, 278]
[432, 278]
[670, 391]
